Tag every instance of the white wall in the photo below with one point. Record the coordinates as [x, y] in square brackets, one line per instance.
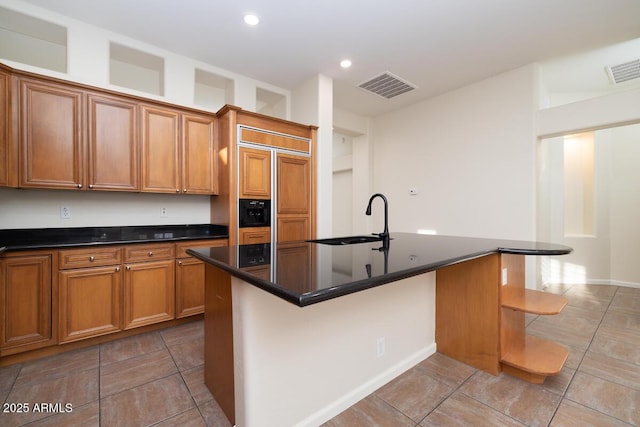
[470, 155]
[359, 163]
[88, 63]
[625, 206]
[41, 209]
[312, 103]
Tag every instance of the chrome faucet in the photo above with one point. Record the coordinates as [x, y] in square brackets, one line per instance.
[385, 233]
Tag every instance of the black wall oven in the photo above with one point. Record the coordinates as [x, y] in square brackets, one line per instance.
[254, 213]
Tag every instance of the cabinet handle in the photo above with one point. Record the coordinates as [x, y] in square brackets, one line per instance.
[150, 253]
[79, 185]
[92, 258]
[117, 269]
[128, 268]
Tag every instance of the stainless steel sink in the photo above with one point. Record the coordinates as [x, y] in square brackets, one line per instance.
[349, 240]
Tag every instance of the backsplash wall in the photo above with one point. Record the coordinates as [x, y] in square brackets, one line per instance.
[41, 209]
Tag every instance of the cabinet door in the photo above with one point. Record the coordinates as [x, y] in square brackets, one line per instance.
[90, 302]
[25, 303]
[113, 144]
[149, 293]
[293, 228]
[160, 150]
[51, 144]
[189, 287]
[199, 171]
[294, 184]
[255, 173]
[5, 108]
[294, 198]
[190, 277]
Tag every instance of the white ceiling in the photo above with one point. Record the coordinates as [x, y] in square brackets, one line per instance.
[438, 45]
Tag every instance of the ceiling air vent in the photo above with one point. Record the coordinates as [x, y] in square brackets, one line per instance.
[387, 85]
[624, 72]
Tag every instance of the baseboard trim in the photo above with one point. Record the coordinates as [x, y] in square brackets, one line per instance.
[325, 414]
[612, 282]
[608, 282]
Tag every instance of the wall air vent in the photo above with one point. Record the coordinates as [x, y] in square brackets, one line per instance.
[624, 72]
[387, 85]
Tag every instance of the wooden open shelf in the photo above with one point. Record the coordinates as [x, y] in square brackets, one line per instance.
[531, 301]
[534, 358]
[526, 357]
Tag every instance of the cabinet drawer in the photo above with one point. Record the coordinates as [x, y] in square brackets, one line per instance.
[181, 248]
[90, 257]
[254, 235]
[134, 253]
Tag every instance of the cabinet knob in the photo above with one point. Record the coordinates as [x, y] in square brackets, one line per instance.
[177, 190]
[179, 262]
[92, 258]
[90, 186]
[184, 191]
[79, 185]
[128, 268]
[117, 268]
[150, 253]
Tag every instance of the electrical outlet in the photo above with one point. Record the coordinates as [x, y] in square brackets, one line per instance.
[164, 213]
[65, 212]
[504, 276]
[380, 347]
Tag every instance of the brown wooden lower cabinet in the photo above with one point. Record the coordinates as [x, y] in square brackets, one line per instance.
[90, 302]
[149, 293]
[190, 277]
[189, 287]
[254, 235]
[26, 293]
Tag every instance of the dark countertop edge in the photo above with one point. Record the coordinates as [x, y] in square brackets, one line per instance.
[326, 294]
[58, 244]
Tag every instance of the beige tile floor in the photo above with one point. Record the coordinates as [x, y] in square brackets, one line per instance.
[157, 379]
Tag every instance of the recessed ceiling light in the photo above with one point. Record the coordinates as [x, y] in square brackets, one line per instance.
[345, 63]
[251, 19]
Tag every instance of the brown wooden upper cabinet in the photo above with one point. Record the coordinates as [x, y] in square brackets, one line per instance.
[199, 155]
[51, 143]
[178, 152]
[53, 149]
[71, 136]
[113, 144]
[255, 173]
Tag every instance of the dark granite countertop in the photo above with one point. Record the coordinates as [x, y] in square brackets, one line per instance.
[41, 238]
[307, 273]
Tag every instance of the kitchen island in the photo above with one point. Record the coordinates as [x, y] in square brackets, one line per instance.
[297, 332]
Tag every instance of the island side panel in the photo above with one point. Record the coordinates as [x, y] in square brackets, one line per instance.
[468, 312]
[303, 365]
[218, 339]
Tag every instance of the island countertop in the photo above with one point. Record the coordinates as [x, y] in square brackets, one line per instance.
[305, 273]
